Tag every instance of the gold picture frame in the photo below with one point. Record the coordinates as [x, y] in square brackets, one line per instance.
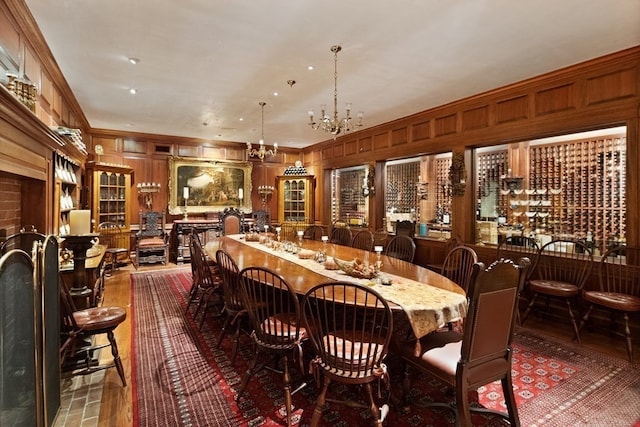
[212, 185]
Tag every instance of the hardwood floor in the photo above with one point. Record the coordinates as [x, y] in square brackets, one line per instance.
[116, 409]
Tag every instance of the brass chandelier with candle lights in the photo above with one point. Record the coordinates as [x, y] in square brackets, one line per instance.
[261, 151]
[334, 125]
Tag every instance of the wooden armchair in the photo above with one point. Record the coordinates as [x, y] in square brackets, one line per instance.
[152, 242]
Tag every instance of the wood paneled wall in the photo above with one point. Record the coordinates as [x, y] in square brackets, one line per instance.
[599, 93]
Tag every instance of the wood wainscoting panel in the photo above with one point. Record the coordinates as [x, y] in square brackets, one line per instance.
[364, 144]
[475, 118]
[612, 86]
[555, 99]
[399, 136]
[511, 110]
[350, 147]
[421, 131]
[327, 153]
[338, 150]
[381, 141]
[134, 146]
[446, 125]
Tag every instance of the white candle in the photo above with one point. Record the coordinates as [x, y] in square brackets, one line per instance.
[300, 233]
[278, 229]
[325, 238]
[266, 228]
[185, 193]
[79, 222]
[240, 193]
[377, 248]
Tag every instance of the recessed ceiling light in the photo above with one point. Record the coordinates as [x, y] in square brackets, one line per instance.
[310, 67]
[275, 94]
[134, 61]
[241, 119]
[133, 91]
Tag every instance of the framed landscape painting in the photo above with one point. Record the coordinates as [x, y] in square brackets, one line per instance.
[205, 185]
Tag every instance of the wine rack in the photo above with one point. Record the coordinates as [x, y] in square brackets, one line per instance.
[351, 207]
[589, 177]
[574, 189]
[443, 190]
[401, 193]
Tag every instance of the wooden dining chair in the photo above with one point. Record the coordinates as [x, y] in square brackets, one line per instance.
[78, 329]
[350, 327]
[562, 269]
[363, 239]
[401, 247]
[458, 265]
[451, 243]
[341, 236]
[314, 232]
[206, 288]
[231, 221]
[233, 309]
[479, 355]
[274, 312]
[618, 293]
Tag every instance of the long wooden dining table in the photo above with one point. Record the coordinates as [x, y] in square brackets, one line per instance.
[429, 299]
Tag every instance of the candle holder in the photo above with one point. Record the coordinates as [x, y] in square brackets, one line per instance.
[186, 214]
[300, 237]
[79, 244]
[278, 229]
[378, 251]
[265, 192]
[146, 190]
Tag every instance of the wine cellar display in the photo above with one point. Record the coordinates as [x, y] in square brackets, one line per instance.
[349, 203]
[572, 189]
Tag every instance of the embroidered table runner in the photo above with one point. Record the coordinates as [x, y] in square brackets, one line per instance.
[427, 307]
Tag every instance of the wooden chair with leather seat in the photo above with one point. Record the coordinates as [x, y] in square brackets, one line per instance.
[340, 236]
[274, 312]
[231, 221]
[152, 241]
[618, 294]
[363, 239]
[482, 353]
[350, 327]
[562, 269]
[79, 330]
[401, 247]
[233, 309]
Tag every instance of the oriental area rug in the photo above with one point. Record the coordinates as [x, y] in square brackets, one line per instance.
[181, 379]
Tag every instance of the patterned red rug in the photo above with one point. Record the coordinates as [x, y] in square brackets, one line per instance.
[180, 379]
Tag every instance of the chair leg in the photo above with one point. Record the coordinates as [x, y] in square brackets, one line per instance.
[627, 332]
[320, 402]
[236, 338]
[372, 405]
[529, 307]
[251, 370]
[585, 317]
[573, 321]
[510, 401]
[116, 357]
[223, 330]
[463, 414]
[286, 378]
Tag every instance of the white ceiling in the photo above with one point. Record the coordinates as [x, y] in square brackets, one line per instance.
[213, 61]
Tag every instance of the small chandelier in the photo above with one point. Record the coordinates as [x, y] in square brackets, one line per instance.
[262, 151]
[334, 125]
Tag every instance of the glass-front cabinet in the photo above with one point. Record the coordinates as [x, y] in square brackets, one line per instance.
[110, 188]
[295, 198]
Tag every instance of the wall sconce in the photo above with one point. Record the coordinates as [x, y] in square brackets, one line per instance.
[458, 175]
[265, 192]
[423, 190]
[146, 190]
[369, 183]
